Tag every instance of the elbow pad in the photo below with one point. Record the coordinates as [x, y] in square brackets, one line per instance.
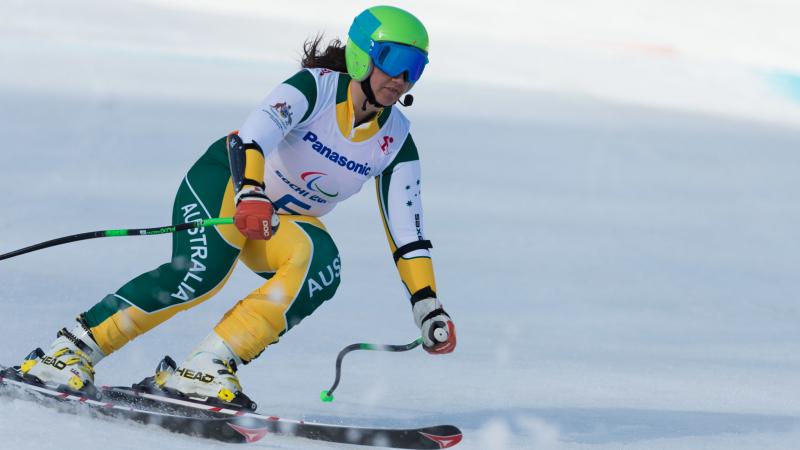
[246, 161]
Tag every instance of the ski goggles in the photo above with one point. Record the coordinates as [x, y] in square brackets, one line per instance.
[394, 59]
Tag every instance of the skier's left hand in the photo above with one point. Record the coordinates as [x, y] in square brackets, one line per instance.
[438, 330]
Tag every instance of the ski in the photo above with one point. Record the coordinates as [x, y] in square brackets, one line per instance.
[197, 418]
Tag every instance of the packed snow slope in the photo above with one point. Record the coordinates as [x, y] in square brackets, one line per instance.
[611, 189]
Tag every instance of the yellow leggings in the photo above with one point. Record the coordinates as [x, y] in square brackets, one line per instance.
[301, 264]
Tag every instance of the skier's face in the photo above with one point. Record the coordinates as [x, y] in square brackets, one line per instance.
[388, 89]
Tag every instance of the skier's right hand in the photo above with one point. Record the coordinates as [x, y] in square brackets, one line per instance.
[438, 330]
[255, 217]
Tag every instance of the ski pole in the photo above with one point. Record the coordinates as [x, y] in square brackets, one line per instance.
[200, 223]
[327, 395]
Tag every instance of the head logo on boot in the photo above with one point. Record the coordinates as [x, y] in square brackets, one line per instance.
[192, 375]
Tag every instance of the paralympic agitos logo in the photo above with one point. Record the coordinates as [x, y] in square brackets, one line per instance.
[310, 178]
[334, 157]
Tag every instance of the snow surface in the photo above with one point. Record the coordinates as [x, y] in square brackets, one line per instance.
[611, 188]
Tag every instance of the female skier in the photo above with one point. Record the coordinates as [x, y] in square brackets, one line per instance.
[313, 142]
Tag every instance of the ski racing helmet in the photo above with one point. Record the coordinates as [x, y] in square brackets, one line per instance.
[390, 38]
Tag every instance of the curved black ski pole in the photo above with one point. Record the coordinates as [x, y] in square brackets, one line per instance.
[200, 223]
[327, 395]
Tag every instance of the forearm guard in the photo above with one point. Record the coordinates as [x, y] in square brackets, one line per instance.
[246, 161]
[416, 273]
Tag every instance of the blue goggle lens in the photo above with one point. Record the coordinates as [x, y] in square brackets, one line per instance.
[394, 59]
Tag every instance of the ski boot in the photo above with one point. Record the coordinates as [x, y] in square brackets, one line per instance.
[68, 365]
[208, 375]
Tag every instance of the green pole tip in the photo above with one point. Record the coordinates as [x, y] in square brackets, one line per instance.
[325, 397]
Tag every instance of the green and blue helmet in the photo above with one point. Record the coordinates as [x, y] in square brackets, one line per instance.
[387, 37]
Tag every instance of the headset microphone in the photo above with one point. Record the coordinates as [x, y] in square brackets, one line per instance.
[408, 100]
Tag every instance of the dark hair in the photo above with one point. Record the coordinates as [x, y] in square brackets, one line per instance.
[331, 57]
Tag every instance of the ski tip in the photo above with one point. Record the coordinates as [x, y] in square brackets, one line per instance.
[445, 441]
[325, 397]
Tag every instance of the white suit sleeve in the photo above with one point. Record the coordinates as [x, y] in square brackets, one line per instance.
[400, 202]
[286, 106]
